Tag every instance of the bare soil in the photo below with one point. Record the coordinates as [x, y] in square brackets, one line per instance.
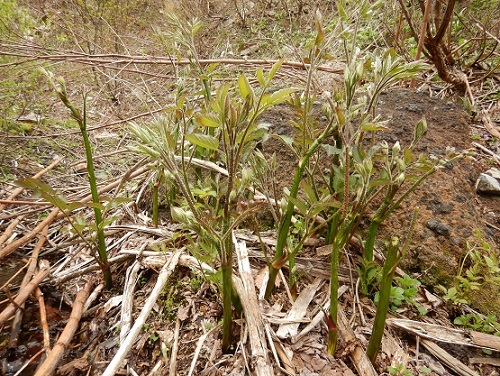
[448, 197]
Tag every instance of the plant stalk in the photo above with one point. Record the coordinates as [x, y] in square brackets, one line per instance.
[287, 217]
[103, 255]
[384, 297]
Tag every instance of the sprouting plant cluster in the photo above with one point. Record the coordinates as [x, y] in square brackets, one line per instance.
[205, 151]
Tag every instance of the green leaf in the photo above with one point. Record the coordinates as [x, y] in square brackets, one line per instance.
[287, 140]
[420, 130]
[244, 85]
[35, 184]
[106, 222]
[96, 205]
[203, 140]
[280, 96]
[309, 191]
[208, 120]
[273, 70]
[79, 223]
[300, 205]
[260, 77]
[369, 127]
[74, 205]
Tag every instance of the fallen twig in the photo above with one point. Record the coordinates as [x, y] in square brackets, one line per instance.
[10, 228]
[48, 367]
[128, 299]
[126, 345]
[172, 369]
[245, 288]
[448, 335]
[79, 270]
[18, 318]
[23, 294]
[8, 249]
[488, 124]
[357, 355]
[452, 362]
[43, 320]
[34, 53]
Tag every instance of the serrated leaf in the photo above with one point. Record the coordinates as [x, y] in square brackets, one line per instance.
[203, 140]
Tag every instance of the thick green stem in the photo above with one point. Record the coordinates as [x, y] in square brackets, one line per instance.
[384, 297]
[333, 331]
[103, 255]
[227, 291]
[287, 217]
[370, 239]
[378, 218]
[155, 202]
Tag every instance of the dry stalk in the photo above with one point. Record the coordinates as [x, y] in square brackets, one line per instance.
[113, 61]
[7, 250]
[56, 214]
[10, 228]
[16, 325]
[125, 346]
[24, 293]
[245, 288]
[43, 320]
[48, 367]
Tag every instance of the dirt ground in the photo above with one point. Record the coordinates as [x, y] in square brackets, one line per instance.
[448, 197]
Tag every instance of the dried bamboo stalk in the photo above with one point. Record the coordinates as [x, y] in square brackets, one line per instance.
[127, 344]
[55, 213]
[7, 250]
[172, 368]
[10, 228]
[18, 318]
[23, 294]
[43, 320]
[48, 367]
[245, 288]
[357, 355]
[117, 59]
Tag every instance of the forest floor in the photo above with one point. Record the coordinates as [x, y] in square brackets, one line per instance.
[448, 197]
[181, 335]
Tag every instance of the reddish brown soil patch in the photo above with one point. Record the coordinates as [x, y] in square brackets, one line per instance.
[446, 200]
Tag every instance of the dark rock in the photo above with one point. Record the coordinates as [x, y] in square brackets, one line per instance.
[439, 228]
[487, 184]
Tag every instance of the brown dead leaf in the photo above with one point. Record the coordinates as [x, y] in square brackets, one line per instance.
[183, 312]
[74, 367]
